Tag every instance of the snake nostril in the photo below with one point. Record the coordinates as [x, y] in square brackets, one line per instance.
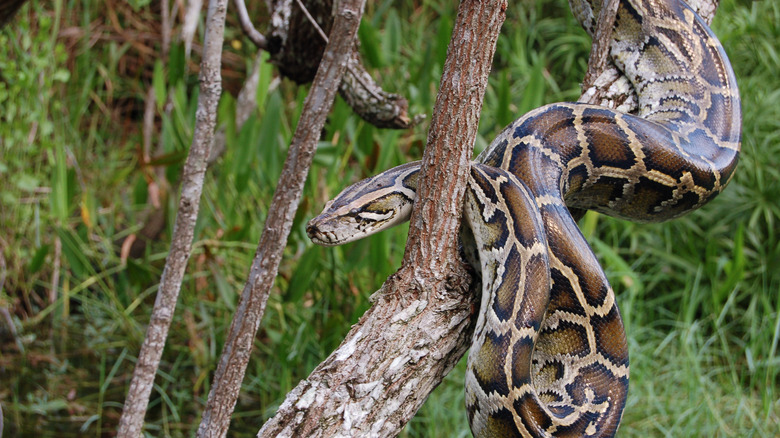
[311, 229]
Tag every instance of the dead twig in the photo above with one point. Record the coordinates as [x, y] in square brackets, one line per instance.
[246, 25]
[190, 24]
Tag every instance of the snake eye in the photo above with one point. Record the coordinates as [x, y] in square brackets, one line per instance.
[354, 212]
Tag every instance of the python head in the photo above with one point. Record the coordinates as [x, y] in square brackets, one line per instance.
[367, 207]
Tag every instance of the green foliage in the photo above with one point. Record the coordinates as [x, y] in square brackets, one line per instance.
[699, 295]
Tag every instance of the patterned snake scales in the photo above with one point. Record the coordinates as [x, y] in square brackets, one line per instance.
[549, 354]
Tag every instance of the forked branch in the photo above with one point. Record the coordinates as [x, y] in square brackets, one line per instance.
[296, 39]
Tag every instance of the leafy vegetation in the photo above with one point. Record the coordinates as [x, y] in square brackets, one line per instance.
[699, 295]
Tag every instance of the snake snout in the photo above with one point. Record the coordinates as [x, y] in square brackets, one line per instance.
[311, 229]
[320, 232]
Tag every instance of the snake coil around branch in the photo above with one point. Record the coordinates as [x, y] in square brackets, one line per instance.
[549, 355]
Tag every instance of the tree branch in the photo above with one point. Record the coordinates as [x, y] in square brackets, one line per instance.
[246, 24]
[131, 422]
[599, 48]
[238, 346]
[421, 322]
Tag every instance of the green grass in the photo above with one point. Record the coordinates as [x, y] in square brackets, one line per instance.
[699, 295]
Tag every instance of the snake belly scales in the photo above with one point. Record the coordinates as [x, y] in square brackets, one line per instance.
[549, 355]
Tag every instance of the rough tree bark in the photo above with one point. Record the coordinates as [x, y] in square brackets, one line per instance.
[421, 323]
[131, 422]
[238, 346]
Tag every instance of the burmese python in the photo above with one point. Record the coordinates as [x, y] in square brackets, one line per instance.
[549, 354]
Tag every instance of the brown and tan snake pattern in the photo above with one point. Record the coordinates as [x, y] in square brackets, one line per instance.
[549, 355]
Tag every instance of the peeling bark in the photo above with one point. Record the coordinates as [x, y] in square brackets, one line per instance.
[373, 384]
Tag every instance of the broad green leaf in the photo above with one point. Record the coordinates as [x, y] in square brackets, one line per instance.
[73, 253]
[267, 143]
[244, 152]
[38, 258]
[504, 94]
[176, 64]
[264, 81]
[534, 91]
[391, 42]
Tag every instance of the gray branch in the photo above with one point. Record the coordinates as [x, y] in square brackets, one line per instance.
[131, 422]
[246, 24]
[238, 346]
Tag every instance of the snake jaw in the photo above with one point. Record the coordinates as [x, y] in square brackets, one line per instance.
[336, 226]
[326, 230]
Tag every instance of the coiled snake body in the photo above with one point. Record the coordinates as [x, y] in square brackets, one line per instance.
[549, 354]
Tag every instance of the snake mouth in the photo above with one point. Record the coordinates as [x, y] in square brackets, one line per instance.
[323, 238]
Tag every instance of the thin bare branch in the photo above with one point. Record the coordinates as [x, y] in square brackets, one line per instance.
[167, 27]
[131, 422]
[312, 21]
[246, 24]
[238, 346]
[246, 103]
[55, 271]
[421, 322]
